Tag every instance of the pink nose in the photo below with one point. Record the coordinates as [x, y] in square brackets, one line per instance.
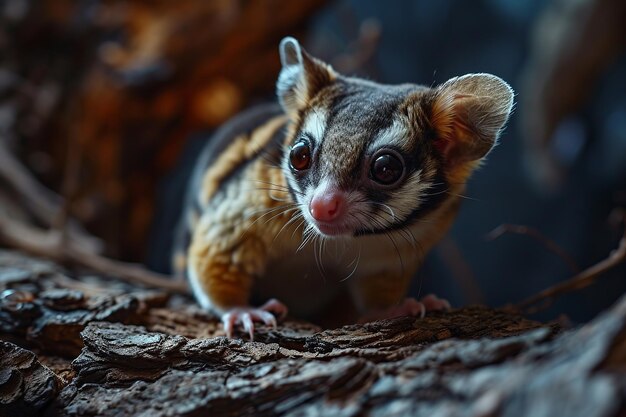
[328, 206]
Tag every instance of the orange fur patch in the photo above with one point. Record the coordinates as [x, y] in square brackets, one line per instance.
[452, 136]
[226, 281]
[226, 265]
[242, 149]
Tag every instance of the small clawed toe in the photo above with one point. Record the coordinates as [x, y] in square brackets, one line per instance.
[248, 316]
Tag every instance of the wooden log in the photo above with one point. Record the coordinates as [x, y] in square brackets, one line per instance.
[39, 305]
[26, 386]
[163, 356]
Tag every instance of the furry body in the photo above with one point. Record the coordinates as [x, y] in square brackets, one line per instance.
[251, 222]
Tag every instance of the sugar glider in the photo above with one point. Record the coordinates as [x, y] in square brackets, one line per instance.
[333, 195]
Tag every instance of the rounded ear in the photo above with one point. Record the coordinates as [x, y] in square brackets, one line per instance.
[290, 52]
[301, 76]
[468, 114]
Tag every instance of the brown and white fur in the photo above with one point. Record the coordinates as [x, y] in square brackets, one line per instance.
[329, 232]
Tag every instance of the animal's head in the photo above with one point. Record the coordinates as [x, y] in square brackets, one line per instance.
[368, 158]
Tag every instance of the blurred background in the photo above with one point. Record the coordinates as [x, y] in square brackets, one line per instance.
[105, 104]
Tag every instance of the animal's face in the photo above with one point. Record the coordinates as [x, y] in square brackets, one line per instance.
[362, 161]
[367, 158]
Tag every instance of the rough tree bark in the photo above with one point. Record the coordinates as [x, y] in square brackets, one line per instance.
[100, 347]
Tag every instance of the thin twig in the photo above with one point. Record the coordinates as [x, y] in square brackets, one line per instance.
[70, 244]
[582, 280]
[44, 244]
[548, 243]
[40, 202]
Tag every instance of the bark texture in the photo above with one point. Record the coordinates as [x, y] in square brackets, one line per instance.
[90, 346]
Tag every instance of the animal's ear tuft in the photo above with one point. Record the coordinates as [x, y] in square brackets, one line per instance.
[468, 115]
[301, 77]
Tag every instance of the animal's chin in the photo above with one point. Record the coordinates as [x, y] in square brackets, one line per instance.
[334, 230]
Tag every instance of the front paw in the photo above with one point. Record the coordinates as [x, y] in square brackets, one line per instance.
[247, 316]
[409, 307]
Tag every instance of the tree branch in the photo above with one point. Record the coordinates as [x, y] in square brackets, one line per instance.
[39, 201]
[582, 280]
[48, 245]
[549, 244]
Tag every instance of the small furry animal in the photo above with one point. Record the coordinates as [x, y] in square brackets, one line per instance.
[332, 198]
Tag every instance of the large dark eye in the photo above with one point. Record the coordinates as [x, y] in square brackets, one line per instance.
[300, 156]
[387, 168]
